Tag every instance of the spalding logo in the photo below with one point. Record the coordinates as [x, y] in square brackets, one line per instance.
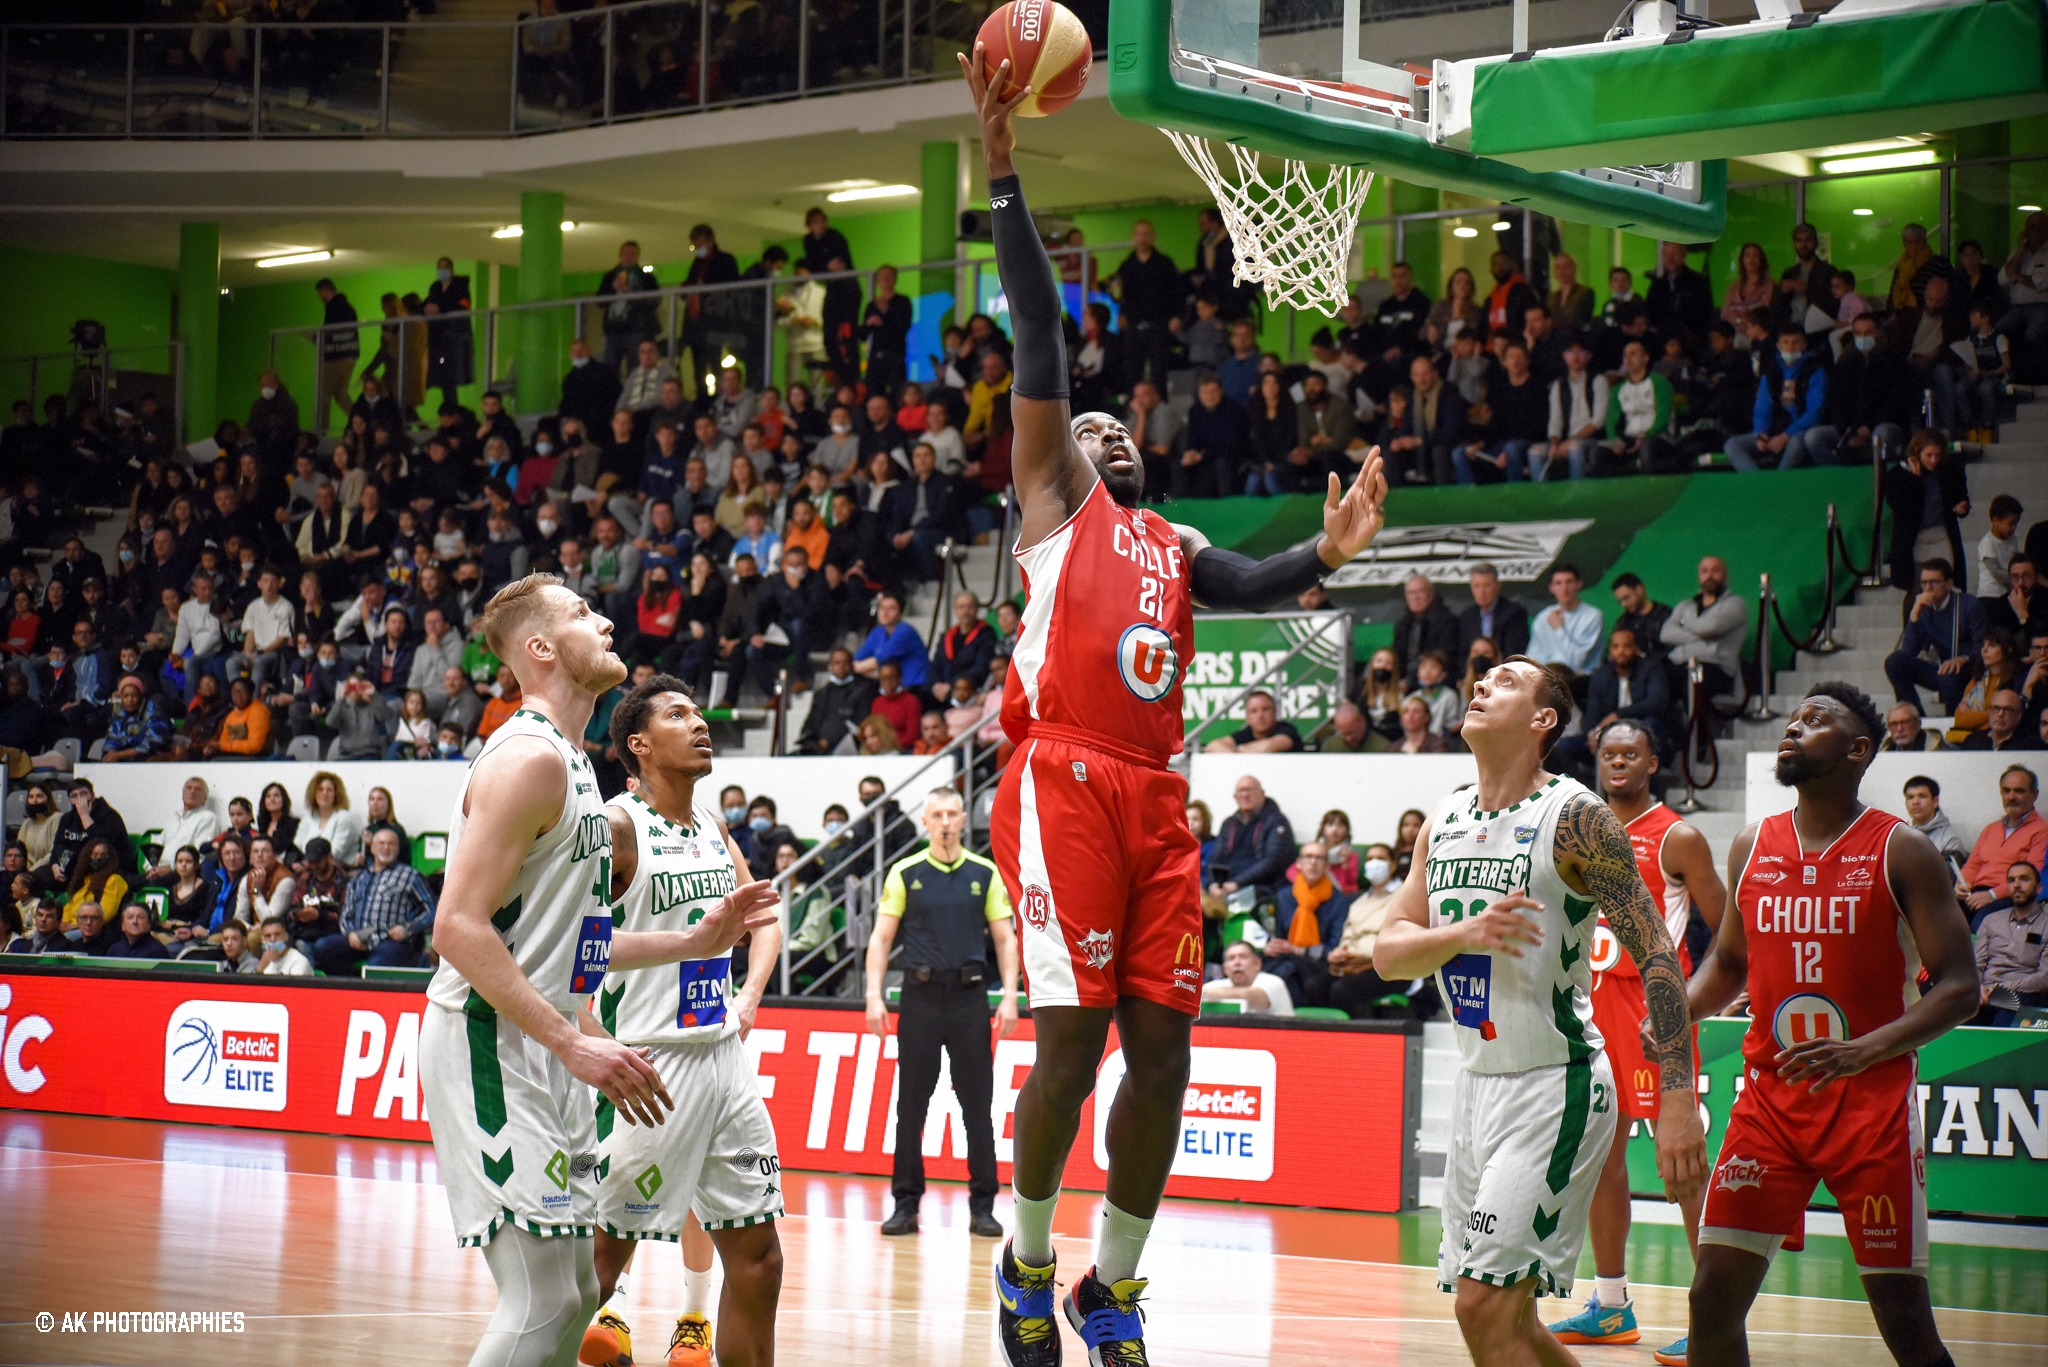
[1146, 659]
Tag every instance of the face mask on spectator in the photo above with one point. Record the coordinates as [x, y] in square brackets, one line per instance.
[701, 252]
[449, 749]
[833, 828]
[759, 824]
[305, 652]
[1789, 359]
[444, 275]
[735, 815]
[543, 448]
[1866, 341]
[840, 429]
[1382, 675]
[127, 556]
[547, 526]
[1378, 870]
[579, 361]
[270, 391]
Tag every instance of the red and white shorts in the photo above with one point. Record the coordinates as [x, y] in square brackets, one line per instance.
[1862, 1137]
[1618, 1012]
[1103, 872]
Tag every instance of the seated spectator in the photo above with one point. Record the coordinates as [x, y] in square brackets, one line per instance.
[1263, 731]
[892, 639]
[895, 704]
[1903, 732]
[1253, 848]
[1416, 737]
[2025, 279]
[233, 953]
[268, 889]
[193, 894]
[1640, 409]
[1625, 688]
[414, 730]
[2009, 948]
[1974, 384]
[964, 650]
[2018, 835]
[1942, 623]
[1568, 634]
[1923, 806]
[1928, 495]
[46, 934]
[1242, 981]
[1425, 624]
[97, 878]
[790, 617]
[328, 818]
[390, 910]
[136, 725]
[1577, 418]
[1215, 443]
[1709, 627]
[1996, 668]
[245, 730]
[877, 737]
[1870, 394]
[136, 939]
[2003, 730]
[91, 816]
[281, 958]
[1518, 415]
[1355, 988]
[1311, 908]
[498, 708]
[1941, 325]
[1995, 552]
[1347, 733]
[92, 934]
[1446, 702]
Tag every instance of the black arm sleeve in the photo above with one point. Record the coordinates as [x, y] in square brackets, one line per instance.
[1026, 272]
[1225, 579]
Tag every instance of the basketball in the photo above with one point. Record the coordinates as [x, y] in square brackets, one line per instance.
[1048, 50]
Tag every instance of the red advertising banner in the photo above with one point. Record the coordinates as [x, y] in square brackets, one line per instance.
[1287, 1116]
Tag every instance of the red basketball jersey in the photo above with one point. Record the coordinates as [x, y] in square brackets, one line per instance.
[1108, 625]
[1646, 836]
[1829, 952]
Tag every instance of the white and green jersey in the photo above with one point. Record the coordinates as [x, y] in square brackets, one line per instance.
[680, 874]
[1513, 1014]
[557, 922]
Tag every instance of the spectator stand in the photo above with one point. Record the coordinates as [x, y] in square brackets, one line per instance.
[1307, 679]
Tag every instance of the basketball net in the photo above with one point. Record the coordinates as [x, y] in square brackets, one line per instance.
[1293, 237]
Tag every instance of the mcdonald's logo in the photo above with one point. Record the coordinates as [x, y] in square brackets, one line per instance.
[1879, 1213]
[1189, 950]
[1646, 1082]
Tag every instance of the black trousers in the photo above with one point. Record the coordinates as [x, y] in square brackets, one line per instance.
[954, 1017]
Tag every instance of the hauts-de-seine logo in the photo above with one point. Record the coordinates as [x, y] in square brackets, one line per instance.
[1446, 553]
[1147, 660]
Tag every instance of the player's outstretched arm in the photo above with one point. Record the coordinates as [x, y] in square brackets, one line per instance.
[515, 796]
[1692, 859]
[1593, 853]
[1225, 579]
[1920, 885]
[1050, 474]
[1724, 974]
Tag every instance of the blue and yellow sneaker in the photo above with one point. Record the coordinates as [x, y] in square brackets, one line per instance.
[1672, 1354]
[1024, 1305]
[1108, 1320]
[607, 1342]
[1598, 1324]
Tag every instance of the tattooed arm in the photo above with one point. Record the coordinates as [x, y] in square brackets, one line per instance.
[1594, 857]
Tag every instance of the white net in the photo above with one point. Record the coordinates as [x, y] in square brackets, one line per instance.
[1294, 236]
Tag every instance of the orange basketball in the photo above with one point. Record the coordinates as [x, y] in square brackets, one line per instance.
[1048, 49]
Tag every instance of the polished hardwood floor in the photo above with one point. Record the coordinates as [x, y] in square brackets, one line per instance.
[338, 1252]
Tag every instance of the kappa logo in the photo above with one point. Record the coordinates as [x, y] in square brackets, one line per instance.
[1856, 878]
[1738, 1172]
[1036, 906]
[1098, 947]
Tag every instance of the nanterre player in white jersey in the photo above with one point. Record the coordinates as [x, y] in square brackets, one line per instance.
[673, 861]
[1514, 870]
[525, 934]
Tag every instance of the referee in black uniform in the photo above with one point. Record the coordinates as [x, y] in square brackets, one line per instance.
[944, 902]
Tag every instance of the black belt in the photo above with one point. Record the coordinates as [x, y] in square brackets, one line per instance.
[968, 975]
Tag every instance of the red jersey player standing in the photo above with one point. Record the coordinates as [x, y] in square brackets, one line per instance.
[1678, 869]
[1090, 828]
[1837, 907]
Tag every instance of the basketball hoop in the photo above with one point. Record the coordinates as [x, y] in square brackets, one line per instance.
[1293, 237]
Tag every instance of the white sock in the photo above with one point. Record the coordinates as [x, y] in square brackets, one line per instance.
[696, 1291]
[1119, 1245]
[1031, 1234]
[1613, 1291]
[618, 1296]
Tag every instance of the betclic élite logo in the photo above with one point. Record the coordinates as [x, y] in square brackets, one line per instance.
[1227, 1114]
[227, 1053]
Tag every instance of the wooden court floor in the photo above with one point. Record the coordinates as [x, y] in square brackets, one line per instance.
[339, 1252]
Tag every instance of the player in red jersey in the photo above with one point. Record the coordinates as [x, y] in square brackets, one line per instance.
[1837, 907]
[1678, 869]
[1090, 827]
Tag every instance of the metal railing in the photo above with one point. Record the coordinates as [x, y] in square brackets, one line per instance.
[742, 325]
[1821, 639]
[448, 78]
[841, 878]
[95, 375]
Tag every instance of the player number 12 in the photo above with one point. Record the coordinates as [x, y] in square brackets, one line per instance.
[1806, 961]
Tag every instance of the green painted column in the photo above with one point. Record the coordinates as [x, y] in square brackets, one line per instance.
[1980, 197]
[1424, 245]
[938, 179]
[199, 325]
[541, 333]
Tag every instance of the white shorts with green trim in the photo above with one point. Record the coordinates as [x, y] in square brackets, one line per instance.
[1526, 1151]
[513, 1132]
[714, 1154]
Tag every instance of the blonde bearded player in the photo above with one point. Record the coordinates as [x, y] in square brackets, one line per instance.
[1514, 868]
[673, 860]
[524, 931]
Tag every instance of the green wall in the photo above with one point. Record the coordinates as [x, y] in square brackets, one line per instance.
[43, 293]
